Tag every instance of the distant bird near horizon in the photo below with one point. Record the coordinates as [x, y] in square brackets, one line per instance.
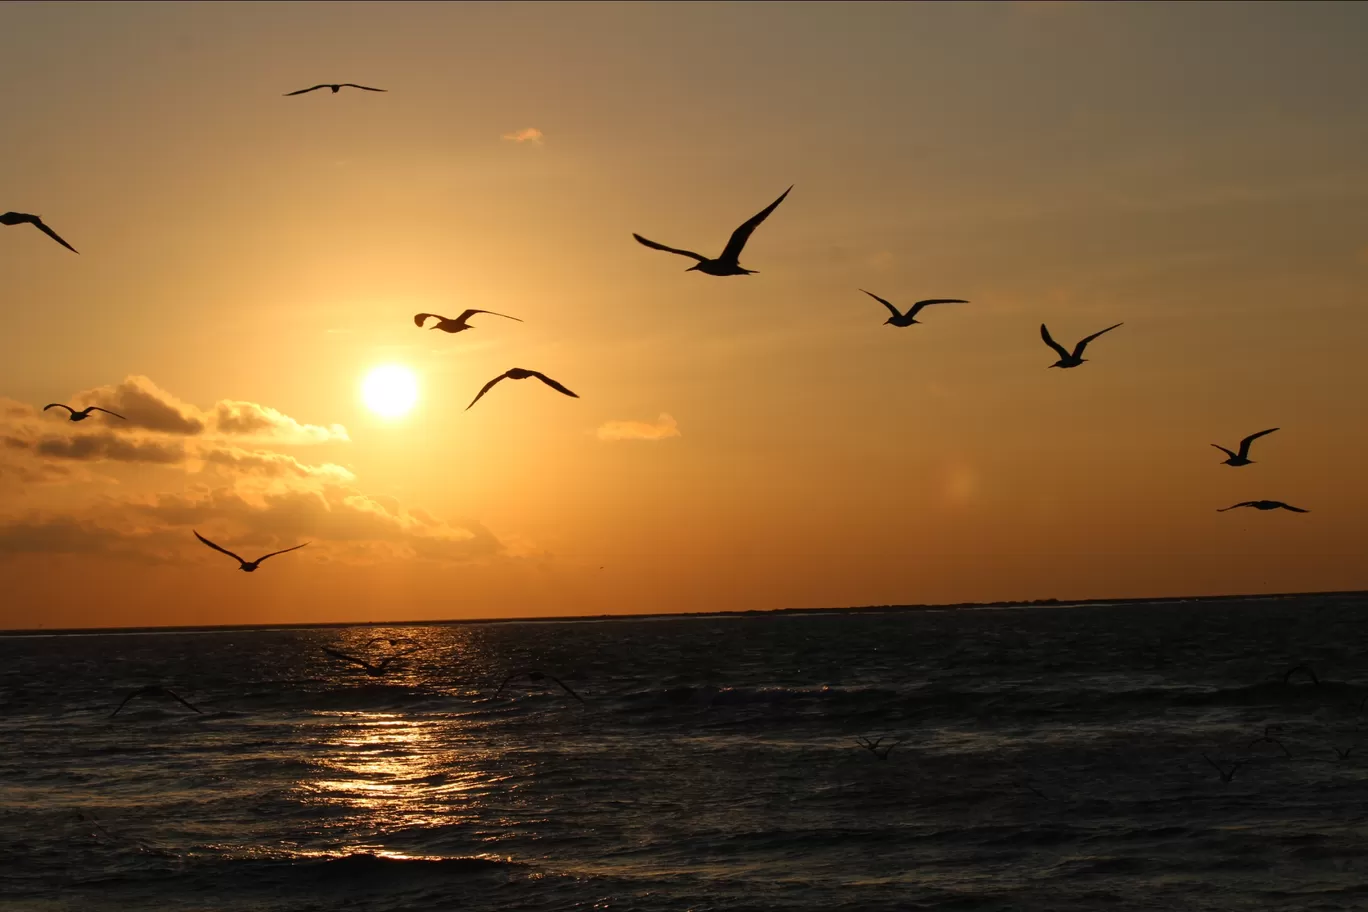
[84, 413]
[446, 324]
[1241, 458]
[518, 373]
[375, 669]
[155, 690]
[907, 319]
[247, 566]
[1076, 358]
[537, 677]
[728, 262]
[1263, 505]
[23, 218]
[335, 86]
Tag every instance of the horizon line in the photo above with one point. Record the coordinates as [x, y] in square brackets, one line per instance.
[739, 612]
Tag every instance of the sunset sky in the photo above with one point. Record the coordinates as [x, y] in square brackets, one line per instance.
[1196, 171]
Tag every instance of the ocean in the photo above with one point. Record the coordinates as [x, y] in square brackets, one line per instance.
[1051, 759]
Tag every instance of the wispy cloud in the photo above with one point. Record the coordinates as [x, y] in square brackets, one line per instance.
[527, 134]
[663, 427]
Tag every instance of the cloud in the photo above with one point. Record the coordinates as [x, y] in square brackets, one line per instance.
[148, 407]
[661, 428]
[104, 445]
[527, 134]
[273, 465]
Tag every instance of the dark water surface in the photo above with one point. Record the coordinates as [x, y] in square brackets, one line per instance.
[1053, 761]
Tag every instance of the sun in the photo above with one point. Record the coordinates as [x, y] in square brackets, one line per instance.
[390, 390]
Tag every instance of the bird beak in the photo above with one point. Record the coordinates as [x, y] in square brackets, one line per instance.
[693, 267]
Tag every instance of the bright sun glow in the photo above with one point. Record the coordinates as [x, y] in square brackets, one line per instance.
[390, 390]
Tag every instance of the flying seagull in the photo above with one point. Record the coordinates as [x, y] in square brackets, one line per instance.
[907, 319]
[446, 324]
[537, 677]
[155, 691]
[247, 566]
[335, 86]
[1066, 359]
[1241, 458]
[23, 218]
[1263, 505]
[377, 669]
[519, 373]
[727, 263]
[84, 413]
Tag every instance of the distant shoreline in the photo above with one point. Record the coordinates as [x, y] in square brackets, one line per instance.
[952, 606]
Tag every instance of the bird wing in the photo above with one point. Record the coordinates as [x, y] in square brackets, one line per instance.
[38, 223]
[732, 252]
[472, 312]
[385, 662]
[1078, 349]
[565, 687]
[420, 319]
[505, 683]
[1244, 444]
[107, 411]
[281, 551]
[350, 658]
[916, 308]
[125, 702]
[1230, 453]
[367, 88]
[59, 405]
[484, 389]
[182, 701]
[1292, 508]
[321, 85]
[552, 383]
[217, 548]
[893, 310]
[1045, 334]
[654, 246]
[1247, 503]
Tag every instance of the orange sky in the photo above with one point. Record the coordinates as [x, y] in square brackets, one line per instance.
[1195, 171]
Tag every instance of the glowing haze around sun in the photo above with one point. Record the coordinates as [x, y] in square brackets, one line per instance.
[390, 390]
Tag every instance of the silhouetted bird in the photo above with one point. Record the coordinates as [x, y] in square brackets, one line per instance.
[1263, 505]
[376, 669]
[1242, 457]
[519, 373]
[537, 677]
[1226, 775]
[907, 319]
[155, 691]
[873, 746]
[1065, 358]
[446, 324]
[1267, 738]
[247, 566]
[335, 86]
[84, 413]
[727, 264]
[23, 218]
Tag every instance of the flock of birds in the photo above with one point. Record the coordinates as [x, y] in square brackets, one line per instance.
[727, 263]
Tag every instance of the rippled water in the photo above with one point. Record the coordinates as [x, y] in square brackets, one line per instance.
[1053, 760]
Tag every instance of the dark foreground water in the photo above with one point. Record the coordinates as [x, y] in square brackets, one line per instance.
[1053, 761]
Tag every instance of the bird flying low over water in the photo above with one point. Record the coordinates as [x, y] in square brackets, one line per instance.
[247, 566]
[537, 677]
[907, 319]
[518, 373]
[727, 263]
[84, 413]
[1076, 358]
[1263, 505]
[335, 86]
[446, 324]
[374, 669]
[155, 691]
[1241, 458]
[23, 218]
